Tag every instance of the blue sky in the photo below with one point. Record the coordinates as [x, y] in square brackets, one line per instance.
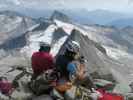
[112, 5]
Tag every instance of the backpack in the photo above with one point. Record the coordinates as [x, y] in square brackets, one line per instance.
[43, 83]
[109, 96]
[61, 65]
[6, 87]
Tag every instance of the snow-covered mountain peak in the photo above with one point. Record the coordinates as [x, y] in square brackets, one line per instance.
[53, 35]
[7, 23]
[66, 26]
[60, 16]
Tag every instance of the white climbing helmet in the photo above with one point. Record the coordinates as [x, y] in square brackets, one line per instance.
[73, 46]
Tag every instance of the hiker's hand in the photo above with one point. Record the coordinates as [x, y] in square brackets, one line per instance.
[81, 76]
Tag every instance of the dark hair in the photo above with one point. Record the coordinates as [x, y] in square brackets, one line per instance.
[45, 49]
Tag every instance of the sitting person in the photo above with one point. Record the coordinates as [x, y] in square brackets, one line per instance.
[42, 66]
[72, 68]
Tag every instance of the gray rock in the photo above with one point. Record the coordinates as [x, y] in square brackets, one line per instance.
[43, 97]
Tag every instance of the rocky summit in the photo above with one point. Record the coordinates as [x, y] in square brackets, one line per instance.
[107, 50]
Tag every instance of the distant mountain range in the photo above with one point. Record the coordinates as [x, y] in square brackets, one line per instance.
[15, 25]
[93, 17]
[122, 22]
[101, 17]
[83, 16]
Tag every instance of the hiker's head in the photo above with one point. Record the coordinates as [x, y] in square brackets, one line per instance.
[45, 47]
[72, 49]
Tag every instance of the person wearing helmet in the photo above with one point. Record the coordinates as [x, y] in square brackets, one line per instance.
[42, 66]
[76, 68]
[71, 66]
[70, 54]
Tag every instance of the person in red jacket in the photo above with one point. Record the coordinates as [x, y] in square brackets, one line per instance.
[42, 60]
[43, 68]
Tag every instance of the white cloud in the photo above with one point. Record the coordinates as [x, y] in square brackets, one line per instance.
[130, 2]
[9, 2]
[42, 4]
[2, 6]
[16, 2]
[55, 4]
[89, 4]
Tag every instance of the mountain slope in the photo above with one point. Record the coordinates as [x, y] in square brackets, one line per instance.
[53, 35]
[112, 36]
[13, 25]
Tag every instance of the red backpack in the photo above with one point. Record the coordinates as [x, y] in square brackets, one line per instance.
[109, 96]
[5, 86]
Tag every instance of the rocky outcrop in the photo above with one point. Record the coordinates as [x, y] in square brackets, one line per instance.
[43, 25]
[14, 43]
[58, 34]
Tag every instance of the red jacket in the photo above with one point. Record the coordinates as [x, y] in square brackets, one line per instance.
[41, 61]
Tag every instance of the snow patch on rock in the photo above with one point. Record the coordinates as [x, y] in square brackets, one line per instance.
[117, 53]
